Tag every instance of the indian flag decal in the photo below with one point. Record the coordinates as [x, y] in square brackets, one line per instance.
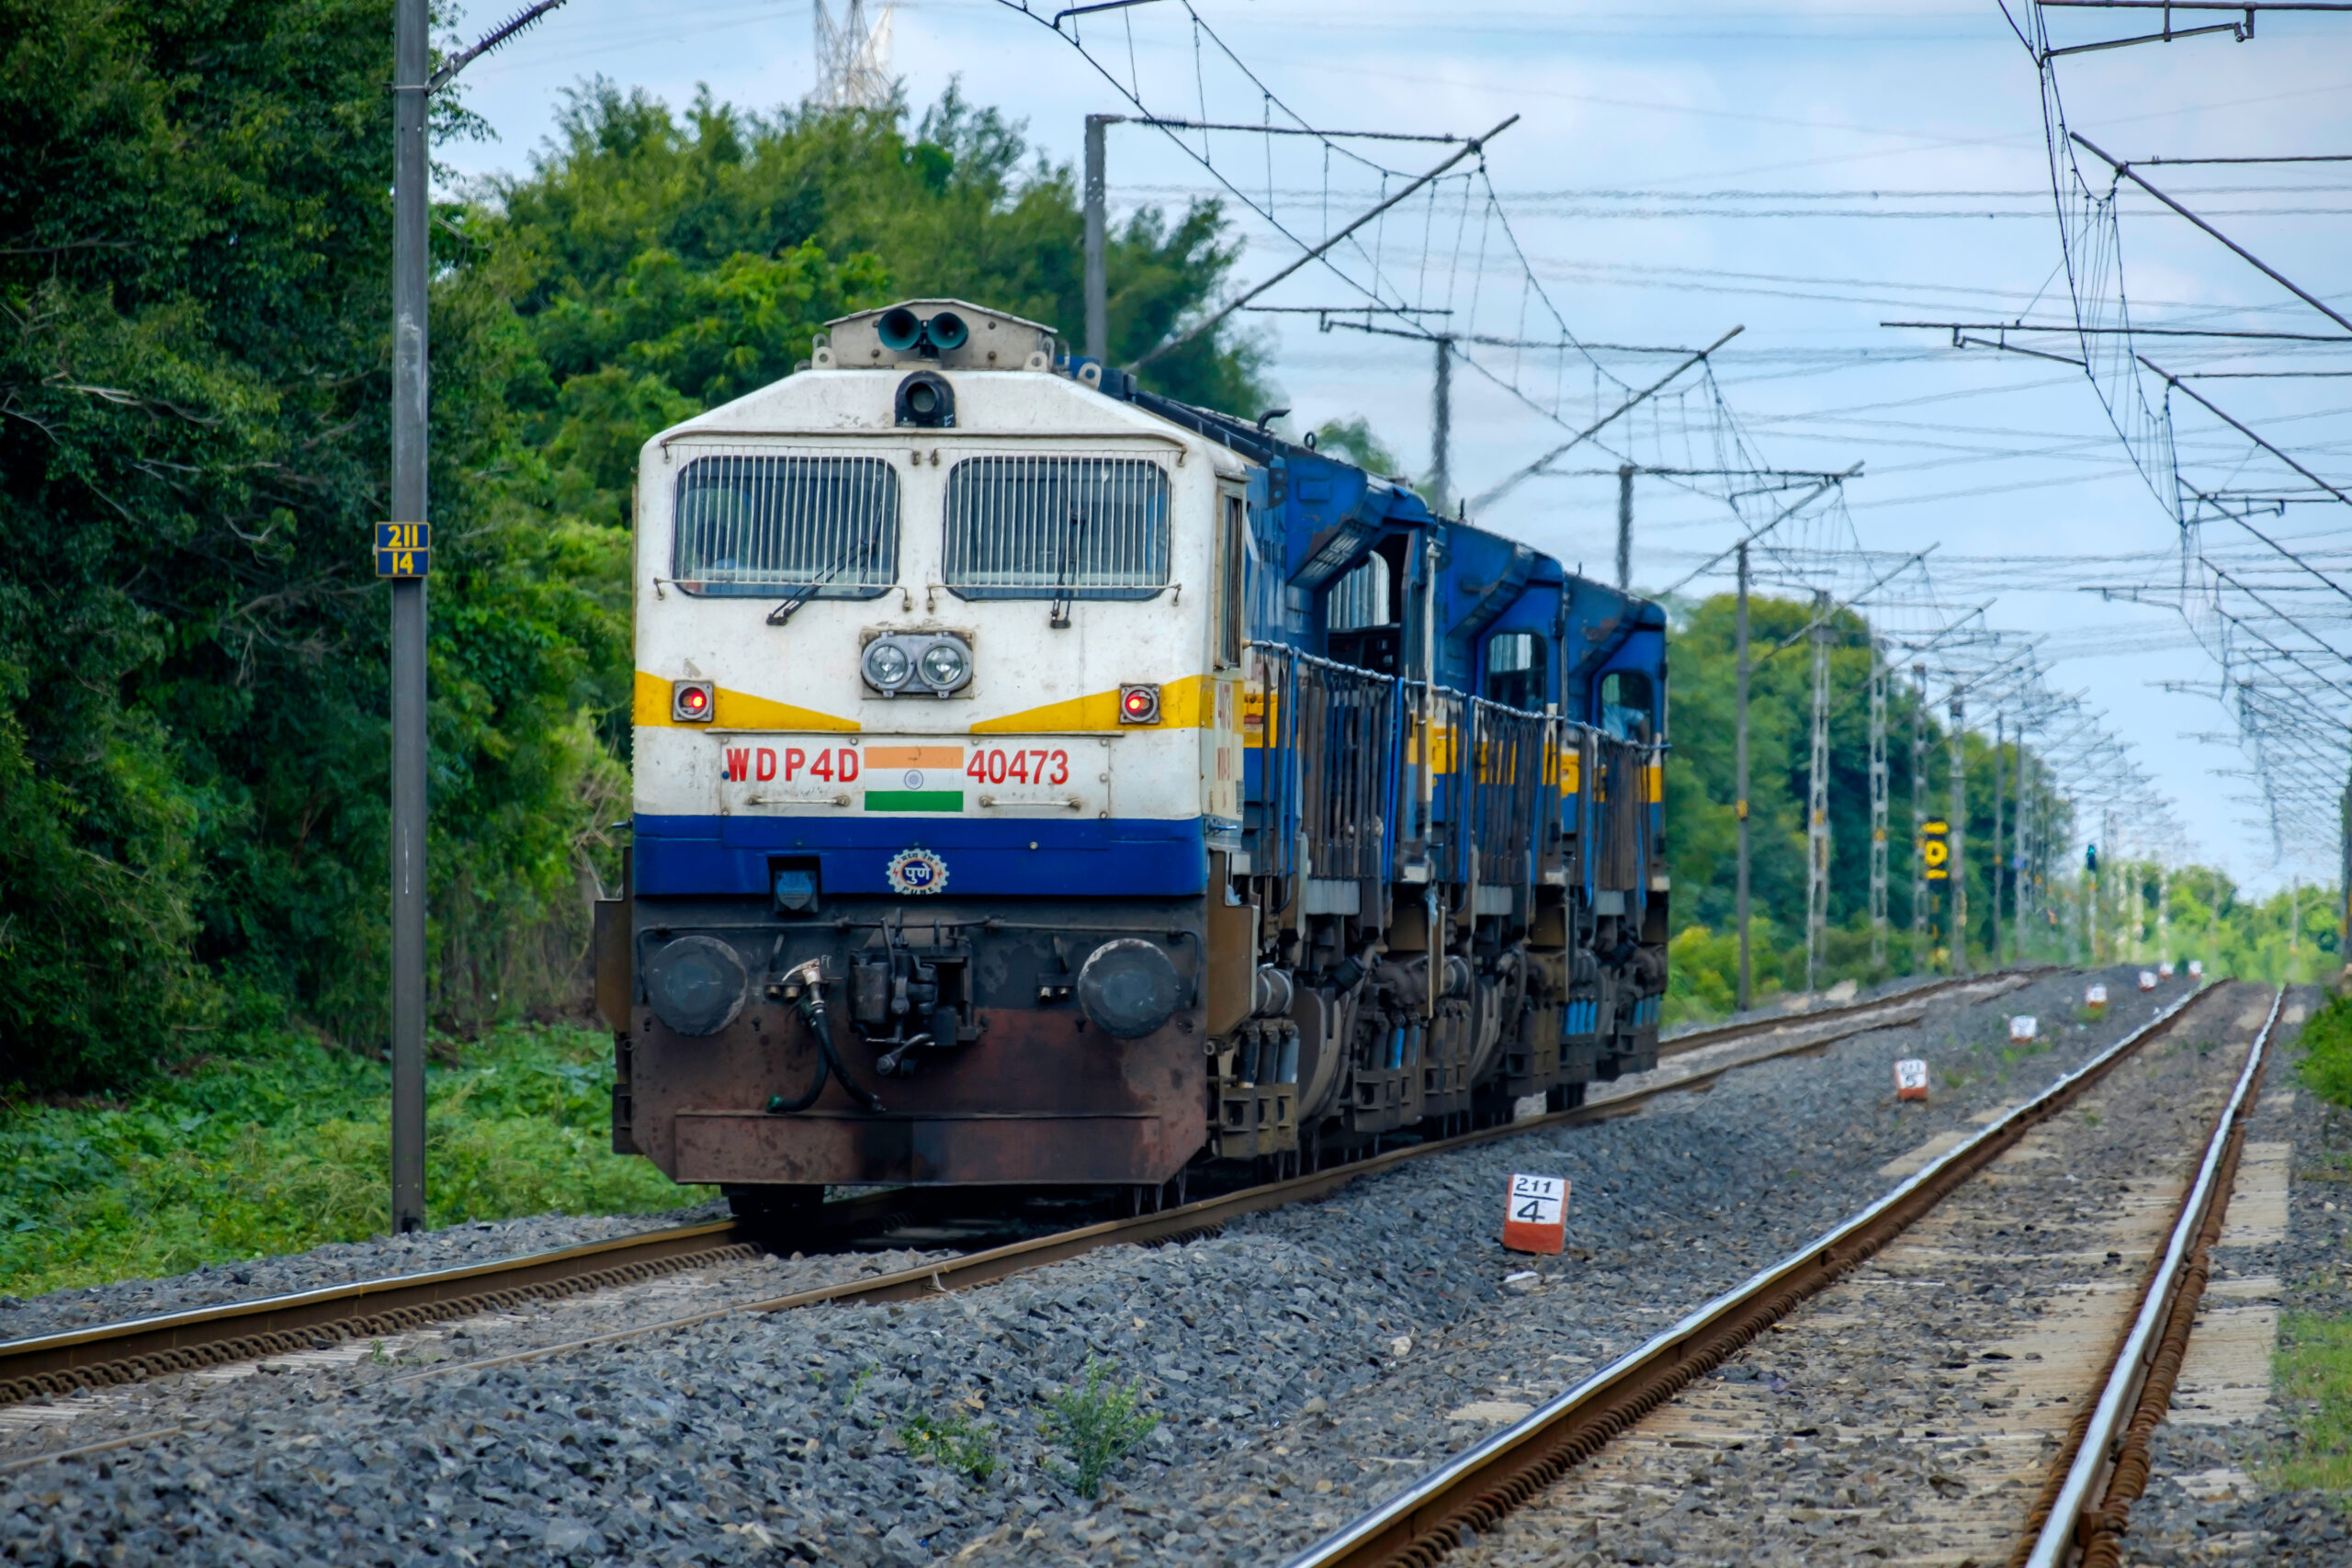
[914, 778]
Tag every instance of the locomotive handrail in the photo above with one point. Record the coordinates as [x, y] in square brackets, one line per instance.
[1339, 744]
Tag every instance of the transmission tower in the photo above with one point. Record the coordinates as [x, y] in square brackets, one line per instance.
[853, 58]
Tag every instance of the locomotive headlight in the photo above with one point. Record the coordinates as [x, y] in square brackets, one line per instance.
[937, 662]
[888, 666]
[945, 667]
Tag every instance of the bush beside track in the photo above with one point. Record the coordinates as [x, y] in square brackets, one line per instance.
[283, 1150]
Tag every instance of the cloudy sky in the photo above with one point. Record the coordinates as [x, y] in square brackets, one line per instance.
[1804, 173]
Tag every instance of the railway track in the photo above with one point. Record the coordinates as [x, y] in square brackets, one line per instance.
[131, 1351]
[2100, 1464]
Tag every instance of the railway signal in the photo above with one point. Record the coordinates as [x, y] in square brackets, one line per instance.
[1935, 851]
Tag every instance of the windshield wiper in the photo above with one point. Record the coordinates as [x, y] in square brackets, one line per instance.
[857, 555]
[1066, 575]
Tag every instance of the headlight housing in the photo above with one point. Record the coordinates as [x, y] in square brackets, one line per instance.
[695, 984]
[887, 665]
[936, 662]
[944, 666]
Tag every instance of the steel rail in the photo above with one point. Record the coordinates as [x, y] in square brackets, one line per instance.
[138, 1348]
[1900, 1001]
[2068, 1526]
[1474, 1489]
[1208, 1214]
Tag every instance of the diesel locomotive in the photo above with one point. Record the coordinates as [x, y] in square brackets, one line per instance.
[1042, 783]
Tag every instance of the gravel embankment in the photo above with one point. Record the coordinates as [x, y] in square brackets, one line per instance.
[1910, 1413]
[2214, 1492]
[1343, 1326]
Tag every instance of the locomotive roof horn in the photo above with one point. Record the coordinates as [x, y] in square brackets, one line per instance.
[946, 333]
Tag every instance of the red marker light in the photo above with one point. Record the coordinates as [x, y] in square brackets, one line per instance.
[1138, 704]
[694, 699]
[690, 701]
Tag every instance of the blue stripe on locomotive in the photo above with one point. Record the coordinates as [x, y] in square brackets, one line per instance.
[1130, 857]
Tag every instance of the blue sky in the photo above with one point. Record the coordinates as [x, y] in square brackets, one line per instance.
[1802, 172]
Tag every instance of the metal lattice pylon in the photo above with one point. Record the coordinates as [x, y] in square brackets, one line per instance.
[853, 58]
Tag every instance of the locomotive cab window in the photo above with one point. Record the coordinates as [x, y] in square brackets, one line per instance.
[1233, 572]
[1515, 670]
[1056, 528]
[827, 527]
[1359, 617]
[1625, 703]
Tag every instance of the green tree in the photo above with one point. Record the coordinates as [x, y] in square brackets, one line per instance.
[194, 233]
[660, 264]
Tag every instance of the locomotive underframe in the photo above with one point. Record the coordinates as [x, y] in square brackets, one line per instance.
[1032, 1093]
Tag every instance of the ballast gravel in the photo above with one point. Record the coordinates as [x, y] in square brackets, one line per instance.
[1297, 1366]
[1911, 1412]
[337, 1263]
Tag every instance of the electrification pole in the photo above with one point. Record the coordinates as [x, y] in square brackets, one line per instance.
[2163, 913]
[412, 63]
[1878, 802]
[1739, 770]
[2017, 860]
[1959, 882]
[1919, 949]
[1442, 433]
[1098, 283]
[403, 556]
[2090, 911]
[1817, 833]
[1995, 858]
[1625, 526]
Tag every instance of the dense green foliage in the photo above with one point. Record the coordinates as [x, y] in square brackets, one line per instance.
[282, 1147]
[194, 226]
[2327, 1042]
[2291, 934]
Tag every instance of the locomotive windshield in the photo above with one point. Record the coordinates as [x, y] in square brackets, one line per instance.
[1056, 527]
[825, 527]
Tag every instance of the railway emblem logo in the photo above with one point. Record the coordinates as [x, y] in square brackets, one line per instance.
[917, 870]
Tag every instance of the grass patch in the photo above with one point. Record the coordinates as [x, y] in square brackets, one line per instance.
[956, 1442]
[286, 1147]
[1098, 1425]
[2326, 1066]
[2315, 1379]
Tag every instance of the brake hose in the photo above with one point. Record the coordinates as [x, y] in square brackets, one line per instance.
[812, 1009]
